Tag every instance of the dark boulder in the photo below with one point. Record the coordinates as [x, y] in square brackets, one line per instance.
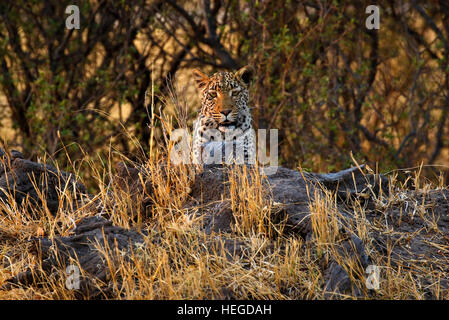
[92, 236]
[35, 184]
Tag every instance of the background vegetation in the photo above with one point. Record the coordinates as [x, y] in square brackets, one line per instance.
[338, 93]
[330, 85]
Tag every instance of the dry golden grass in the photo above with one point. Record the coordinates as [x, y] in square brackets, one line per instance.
[187, 263]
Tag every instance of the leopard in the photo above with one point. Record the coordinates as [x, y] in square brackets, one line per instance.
[225, 118]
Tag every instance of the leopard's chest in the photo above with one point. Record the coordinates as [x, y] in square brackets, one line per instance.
[212, 143]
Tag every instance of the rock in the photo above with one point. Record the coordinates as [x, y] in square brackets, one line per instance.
[60, 252]
[127, 178]
[219, 218]
[6, 161]
[293, 192]
[289, 189]
[20, 177]
[286, 188]
[336, 278]
[136, 182]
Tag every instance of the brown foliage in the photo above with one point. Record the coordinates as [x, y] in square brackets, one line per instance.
[330, 85]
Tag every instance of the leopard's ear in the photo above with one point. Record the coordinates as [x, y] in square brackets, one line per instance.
[245, 75]
[201, 79]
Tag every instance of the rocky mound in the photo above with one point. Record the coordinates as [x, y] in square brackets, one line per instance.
[411, 236]
[30, 183]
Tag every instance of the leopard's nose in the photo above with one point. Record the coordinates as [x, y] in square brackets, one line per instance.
[226, 112]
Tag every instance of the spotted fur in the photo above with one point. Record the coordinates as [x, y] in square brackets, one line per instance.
[225, 114]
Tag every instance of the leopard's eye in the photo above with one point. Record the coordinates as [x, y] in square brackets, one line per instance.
[235, 93]
[212, 95]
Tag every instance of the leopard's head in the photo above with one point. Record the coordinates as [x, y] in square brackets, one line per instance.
[225, 96]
